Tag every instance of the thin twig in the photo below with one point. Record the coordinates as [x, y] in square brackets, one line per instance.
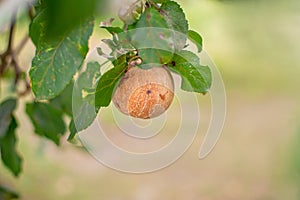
[9, 56]
[21, 45]
[7, 52]
[31, 11]
[11, 34]
[17, 70]
[154, 5]
[27, 89]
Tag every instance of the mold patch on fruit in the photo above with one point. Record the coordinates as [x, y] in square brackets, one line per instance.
[144, 93]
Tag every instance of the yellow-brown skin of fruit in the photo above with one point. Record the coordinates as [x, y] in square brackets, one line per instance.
[144, 93]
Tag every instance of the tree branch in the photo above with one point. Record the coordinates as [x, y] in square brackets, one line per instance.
[11, 34]
[4, 57]
[9, 56]
[21, 45]
[17, 70]
[154, 5]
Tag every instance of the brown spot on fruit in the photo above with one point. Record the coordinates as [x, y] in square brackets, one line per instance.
[144, 105]
[162, 96]
[144, 93]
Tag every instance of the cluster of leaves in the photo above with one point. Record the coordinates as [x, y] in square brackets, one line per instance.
[59, 54]
[58, 59]
[164, 25]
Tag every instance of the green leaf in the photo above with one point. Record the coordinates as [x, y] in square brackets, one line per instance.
[6, 109]
[108, 82]
[132, 26]
[65, 15]
[195, 78]
[9, 155]
[73, 130]
[6, 194]
[56, 61]
[36, 27]
[84, 111]
[47, 120]
[112, 30]
[185, 56]
[110, 44]
[175, 17]
[196, 39]
[8, 124]
[152, 38]
[63, 101]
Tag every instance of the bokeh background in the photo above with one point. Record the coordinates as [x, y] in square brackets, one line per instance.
[256, 46]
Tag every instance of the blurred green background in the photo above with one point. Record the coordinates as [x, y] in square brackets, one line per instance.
[256, 46]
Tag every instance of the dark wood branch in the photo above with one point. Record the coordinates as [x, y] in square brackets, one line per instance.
[5, 56]
[154, 5]
[31, 11]
[17, 70]
[11, 34]
[21, 45]
[9, 57]
[26, 90]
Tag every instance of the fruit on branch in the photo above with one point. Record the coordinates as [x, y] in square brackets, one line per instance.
[144, 93]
